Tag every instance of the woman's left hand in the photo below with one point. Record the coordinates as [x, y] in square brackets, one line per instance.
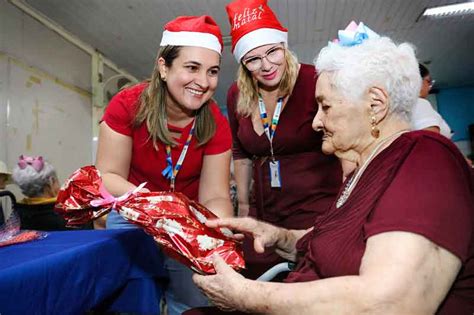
[225, 288]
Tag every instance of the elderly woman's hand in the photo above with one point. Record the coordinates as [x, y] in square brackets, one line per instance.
[264, 234]
[225, 289]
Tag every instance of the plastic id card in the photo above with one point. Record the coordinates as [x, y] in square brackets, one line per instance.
[275, 178]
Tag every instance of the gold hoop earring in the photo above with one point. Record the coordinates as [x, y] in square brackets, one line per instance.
[375, 131]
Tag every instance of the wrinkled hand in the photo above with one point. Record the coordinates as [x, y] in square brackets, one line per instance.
[264, 234]
[225, 288]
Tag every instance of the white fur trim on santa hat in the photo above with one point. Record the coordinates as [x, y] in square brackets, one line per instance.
[197, 39]
[257, 38]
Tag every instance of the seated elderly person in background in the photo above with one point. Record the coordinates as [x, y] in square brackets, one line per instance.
[38, 181]
[5, 202]
[398, 239]
[4, 175]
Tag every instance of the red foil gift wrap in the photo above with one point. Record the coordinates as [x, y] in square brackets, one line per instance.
[176, 222]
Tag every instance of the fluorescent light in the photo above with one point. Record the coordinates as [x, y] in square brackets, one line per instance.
[450, 10]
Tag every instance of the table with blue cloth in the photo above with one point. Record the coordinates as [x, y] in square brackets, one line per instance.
[75, 271]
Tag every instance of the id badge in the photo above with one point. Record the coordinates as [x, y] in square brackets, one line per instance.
[275, 179]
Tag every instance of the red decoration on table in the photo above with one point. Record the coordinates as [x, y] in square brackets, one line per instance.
[175, 222]
[10, 232]
[23, 237]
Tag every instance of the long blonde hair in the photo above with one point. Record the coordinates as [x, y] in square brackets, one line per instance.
[152, 107]
[248, 86]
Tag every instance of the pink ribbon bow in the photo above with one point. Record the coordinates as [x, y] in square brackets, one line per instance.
[35, 161]
[107, 198]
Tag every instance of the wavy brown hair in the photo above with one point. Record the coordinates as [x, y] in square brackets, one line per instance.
[152, 107]
[248, 86]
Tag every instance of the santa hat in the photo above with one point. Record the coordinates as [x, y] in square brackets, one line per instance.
[199, 31]
[253, 24]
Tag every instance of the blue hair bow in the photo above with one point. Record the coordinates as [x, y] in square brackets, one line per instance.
[354, 34]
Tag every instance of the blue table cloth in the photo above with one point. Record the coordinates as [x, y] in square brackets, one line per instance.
[75, 271]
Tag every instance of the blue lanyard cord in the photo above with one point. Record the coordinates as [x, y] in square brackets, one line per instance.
[169, 172]
[270, 129]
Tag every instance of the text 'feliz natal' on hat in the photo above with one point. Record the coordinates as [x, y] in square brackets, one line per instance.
[198, 31]
[253, 24]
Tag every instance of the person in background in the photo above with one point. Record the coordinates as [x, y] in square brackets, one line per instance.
[423, 114]
[233, 190]
[38, 181]
[270, 108]
[424, 117]
[5, 203]
[395, 241]
[169, 133]
[4, 175]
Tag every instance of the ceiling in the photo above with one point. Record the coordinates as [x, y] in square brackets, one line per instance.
[129, 32]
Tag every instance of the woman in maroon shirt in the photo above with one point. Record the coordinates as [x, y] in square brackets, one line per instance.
[294, 181]
[398, 239]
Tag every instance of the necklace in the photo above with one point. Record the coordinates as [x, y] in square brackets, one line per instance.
[352, 182]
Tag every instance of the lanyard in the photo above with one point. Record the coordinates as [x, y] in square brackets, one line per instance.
[270, 129]
[169, 172]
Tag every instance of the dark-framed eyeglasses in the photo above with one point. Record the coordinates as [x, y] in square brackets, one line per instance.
[274, 55]
[430, 82]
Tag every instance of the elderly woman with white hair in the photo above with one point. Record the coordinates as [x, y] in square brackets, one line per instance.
[398, 238]
[38, 181]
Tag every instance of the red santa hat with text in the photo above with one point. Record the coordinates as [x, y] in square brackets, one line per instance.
[253, 24]
[198, 31]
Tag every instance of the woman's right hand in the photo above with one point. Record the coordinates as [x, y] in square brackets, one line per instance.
[264, 234]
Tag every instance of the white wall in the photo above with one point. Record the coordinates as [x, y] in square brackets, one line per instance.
[26, 39]
[45, 94]
[3, 108]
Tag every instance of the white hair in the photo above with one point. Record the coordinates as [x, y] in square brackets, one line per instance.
[375, 62]
[31, 182]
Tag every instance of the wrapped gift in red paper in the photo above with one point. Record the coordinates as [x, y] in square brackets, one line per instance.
[176, 222]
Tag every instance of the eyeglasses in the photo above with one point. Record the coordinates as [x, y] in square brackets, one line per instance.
[274, 55]
[430, 82]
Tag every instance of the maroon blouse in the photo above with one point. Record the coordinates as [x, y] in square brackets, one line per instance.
[420, 184]
[310, 179]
